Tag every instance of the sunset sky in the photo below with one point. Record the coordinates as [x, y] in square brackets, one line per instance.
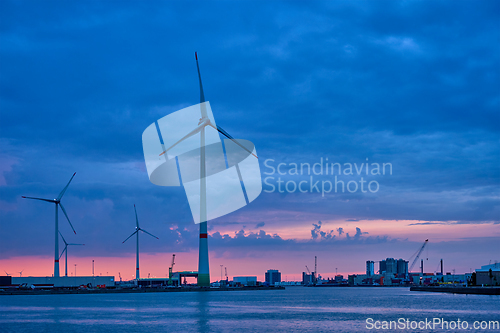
[413, 84]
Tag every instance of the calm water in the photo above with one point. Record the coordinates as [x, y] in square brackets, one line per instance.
[293, 309]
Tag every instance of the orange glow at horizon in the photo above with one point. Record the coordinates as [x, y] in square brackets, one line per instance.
[406, 229]
[256, 261]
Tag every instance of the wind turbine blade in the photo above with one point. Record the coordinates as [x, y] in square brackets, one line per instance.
[48, 200]
[232, 139]
[130, 236]
[65, 248]
[63, 238]
[148, 233]
[64, 211]
[136, 219]
[202, 95]
[64, 189]
[75, 244]
[6, 273]
[190, 134]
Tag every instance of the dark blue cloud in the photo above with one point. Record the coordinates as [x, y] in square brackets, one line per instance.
[260, 225]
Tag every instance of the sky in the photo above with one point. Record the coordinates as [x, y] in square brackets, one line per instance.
[414, 85]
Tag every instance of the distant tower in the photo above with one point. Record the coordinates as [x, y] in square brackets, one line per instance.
[273, 276]
[370, 266]
[315, 268]
[402, 267]
[315, 265]
[382, 266]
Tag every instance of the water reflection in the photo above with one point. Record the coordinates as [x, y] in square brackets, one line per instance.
[293, 309]
[203, 312]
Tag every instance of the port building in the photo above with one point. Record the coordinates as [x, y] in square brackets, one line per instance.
[488, 275]
[273, 276]
[370, 267]
[245, 280]
[65, 281]
[308, 279]
[393, 266]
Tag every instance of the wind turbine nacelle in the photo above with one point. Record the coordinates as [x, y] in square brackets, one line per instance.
[182, 162]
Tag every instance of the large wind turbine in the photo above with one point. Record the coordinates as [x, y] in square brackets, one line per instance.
[57, 201]
[136, 232]
[203, 264]
[66, 250]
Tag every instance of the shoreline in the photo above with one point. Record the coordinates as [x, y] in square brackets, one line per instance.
[128, 290]
[459, 290]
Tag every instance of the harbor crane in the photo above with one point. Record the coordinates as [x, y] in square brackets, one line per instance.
[170, 270]
[418, 253]
[308, 271]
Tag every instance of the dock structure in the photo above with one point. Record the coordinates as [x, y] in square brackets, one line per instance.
[459, 290]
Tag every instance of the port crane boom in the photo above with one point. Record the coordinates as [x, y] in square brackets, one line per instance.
[170, 270]
[418, 255]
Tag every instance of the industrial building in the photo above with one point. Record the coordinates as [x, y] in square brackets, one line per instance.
[245, 280]
[392, 266]
[308, 279]
[175, 279]
[273, 276]
[370, 267]
[391, 272]
[65, 281]
[488, 275]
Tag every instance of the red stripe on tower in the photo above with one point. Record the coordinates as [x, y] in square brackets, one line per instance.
[203, 236]
[57, 260]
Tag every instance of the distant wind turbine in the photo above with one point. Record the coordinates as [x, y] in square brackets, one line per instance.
[6, 273]
[66, 251]
[57, 201]
[21, 273]
[136, 232]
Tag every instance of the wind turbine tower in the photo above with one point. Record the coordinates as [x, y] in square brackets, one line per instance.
[58, 203]
[136, 232]
[203, 264]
